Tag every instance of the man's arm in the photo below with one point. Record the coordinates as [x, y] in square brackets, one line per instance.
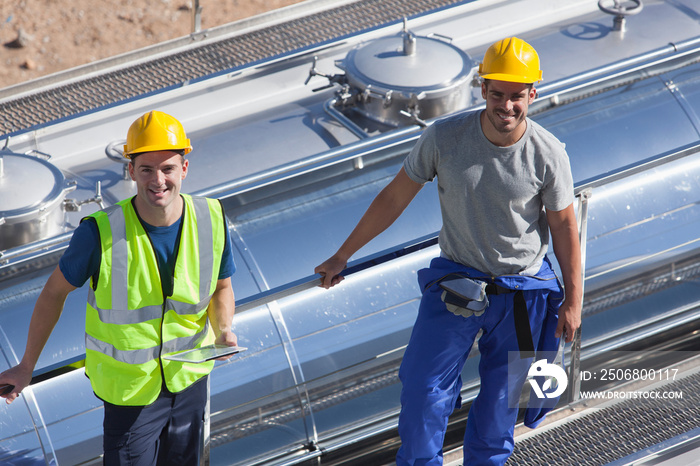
[562, 225]
[384, 210]
[47, 310]
[220, 312]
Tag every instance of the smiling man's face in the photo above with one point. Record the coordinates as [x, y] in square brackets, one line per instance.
[158, 177]
[506, 108]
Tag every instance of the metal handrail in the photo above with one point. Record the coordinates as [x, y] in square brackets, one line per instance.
[574, 374]
[618, 68]
[313, 281]
[637, 167]
[47, 243]
[313, 163]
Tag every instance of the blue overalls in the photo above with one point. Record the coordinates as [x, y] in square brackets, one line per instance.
[438, 348]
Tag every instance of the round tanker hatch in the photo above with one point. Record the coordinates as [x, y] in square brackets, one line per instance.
[31, 193]
[409, 75]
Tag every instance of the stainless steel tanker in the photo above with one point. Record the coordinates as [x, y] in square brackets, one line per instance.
[296, 146]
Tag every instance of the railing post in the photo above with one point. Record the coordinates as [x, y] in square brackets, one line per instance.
[196, 16]
[575, 363]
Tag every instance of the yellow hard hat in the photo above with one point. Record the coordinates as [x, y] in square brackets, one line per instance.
[512, 60]
[155, 131]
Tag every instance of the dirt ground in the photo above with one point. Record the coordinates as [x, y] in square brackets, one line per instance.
[41, 37]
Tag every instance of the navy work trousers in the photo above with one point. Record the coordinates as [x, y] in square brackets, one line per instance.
[166, 432]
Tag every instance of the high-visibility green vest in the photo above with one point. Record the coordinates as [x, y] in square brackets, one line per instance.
[131, 325]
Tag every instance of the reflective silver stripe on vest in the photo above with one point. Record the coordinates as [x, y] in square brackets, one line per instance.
[142, 356]
[146, 313]
[125, 316]
[206, 244]
[185, 343]
[184, 308]
[120, 257]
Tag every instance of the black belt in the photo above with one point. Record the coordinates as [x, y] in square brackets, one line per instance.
[522, 326]
[492, 288]
[522, 322]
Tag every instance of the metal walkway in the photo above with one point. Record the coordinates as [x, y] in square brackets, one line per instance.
[609, 434]
[617, 434]
[130, 82]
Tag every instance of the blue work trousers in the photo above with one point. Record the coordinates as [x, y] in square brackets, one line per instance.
[166, 432]
[431, 376]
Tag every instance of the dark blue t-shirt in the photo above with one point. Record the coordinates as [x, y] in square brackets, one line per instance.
[82, 258]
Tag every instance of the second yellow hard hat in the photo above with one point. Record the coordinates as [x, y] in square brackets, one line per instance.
[512, 60]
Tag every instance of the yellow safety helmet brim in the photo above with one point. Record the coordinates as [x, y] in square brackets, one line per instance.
[156, 131]
[157, 148]
[512, 78]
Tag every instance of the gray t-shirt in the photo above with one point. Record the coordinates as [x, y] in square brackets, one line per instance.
[493, 198]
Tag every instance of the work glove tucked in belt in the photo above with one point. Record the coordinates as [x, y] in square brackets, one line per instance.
[463, 296]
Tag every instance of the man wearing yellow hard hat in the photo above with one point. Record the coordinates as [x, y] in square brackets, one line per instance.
[160, 266]
[504, 184]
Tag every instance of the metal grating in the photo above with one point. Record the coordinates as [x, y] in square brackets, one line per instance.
[130, 82]
[613, 433]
